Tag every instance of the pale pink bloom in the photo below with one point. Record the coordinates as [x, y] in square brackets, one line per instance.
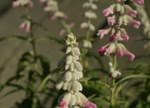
[15, 4]
[118, 37]
[140, 2]
[25, 26]
[88, 104]
[125, 37]
[136, 24]
[110, 49]
[101, 50]
[120, 53]
[132, 13]
[107, 11]
[63, 104]
[18, 3]
[118, 1]
[102, 32]
[58, 15]
[130, 56]
[111, 20]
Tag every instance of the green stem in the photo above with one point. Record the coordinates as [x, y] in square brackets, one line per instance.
[65, 26]
[113, 84]
[112, 97]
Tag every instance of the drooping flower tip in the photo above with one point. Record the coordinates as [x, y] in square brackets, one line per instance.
[102, 32]
[136, 24]
[63, 104]
[107, 11]
[130, 56]
[26, 26]
[88, 104]
[101, 51]
[140, 2]
[132, 13]
[120, 53]
[125, 37]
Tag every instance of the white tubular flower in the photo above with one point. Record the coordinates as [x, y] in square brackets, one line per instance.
[70, 78]
[89, 14]
[113, 72]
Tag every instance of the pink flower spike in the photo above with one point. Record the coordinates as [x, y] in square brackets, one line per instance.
[136, 24]
[140, 2]
[15, 4]
[111, 20]
[62, 104]
[125, 37]
[132, 13]
[107, 11]
[101, 51]
[130, 56]
[102, 32]
[88, 104]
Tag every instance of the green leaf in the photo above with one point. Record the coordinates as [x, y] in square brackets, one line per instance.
[96, 57]
[45, 65]
[23, 63]
[44, 82]
[131, 77]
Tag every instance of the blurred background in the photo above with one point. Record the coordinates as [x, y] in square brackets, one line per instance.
[12, 49]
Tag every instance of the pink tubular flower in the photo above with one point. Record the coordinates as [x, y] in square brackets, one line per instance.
[102, 32]
[132, 13]
[63, 104]
[112, 37]
[136, 24]
[120, 53]
[88, 104]
[125, 37]
[107, 11]
[111, 20]
[118, 37]
[130, 56]
[26, 25]
[140, 2]
[101, 50]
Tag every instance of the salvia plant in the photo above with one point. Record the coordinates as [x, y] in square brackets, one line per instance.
[85, 75]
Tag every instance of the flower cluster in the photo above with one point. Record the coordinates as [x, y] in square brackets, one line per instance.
[73, 98]
[89, 15]
[118, 15]
[18, 3]
[145, 22]
[52, 6]
[26, 24]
